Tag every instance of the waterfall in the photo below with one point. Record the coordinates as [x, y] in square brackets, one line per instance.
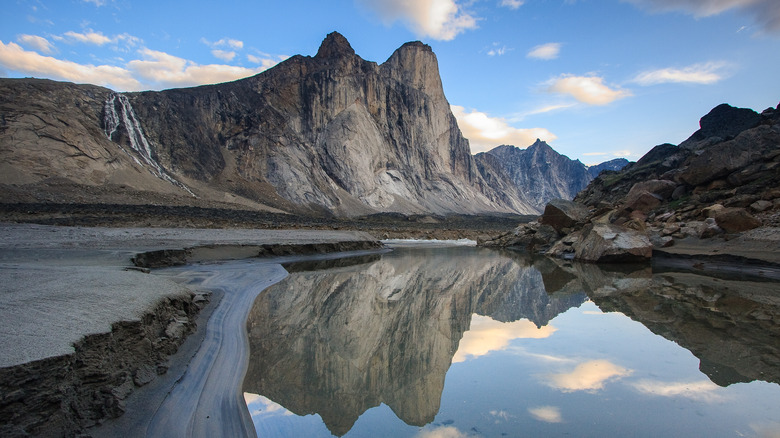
[117, 111]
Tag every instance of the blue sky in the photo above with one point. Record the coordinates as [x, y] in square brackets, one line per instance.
[597, 79]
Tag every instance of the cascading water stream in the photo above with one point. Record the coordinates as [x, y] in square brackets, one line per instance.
[119, 112]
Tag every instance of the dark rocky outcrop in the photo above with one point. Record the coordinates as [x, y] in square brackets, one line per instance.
[64, 395]
[721, 181]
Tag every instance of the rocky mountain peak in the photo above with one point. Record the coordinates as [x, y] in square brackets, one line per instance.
[723, 122]
[335, 45]
[415, 64]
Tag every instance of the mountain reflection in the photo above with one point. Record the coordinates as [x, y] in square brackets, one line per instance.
[730, 325]
[340, 341]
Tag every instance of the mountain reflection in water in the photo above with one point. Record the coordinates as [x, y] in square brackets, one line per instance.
[339, 341]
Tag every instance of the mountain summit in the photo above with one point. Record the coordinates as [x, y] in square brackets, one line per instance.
[332, 133]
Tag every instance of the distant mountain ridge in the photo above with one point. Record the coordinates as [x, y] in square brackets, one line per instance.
[540, 173]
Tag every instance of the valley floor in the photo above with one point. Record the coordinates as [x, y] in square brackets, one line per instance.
[81, 328]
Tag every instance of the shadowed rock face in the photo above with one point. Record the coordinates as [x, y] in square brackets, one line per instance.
[339, 342]
[731, 326]
[331, 132]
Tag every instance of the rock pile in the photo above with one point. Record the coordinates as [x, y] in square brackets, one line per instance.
[722, 181]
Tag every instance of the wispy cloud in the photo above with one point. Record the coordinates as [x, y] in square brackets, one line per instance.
[223, 55]
[588, 376]
[153, 70]
[218, 48]
[765, 12]
[441, 432]
[99, 39]
[95, 38]
[164, 70]
[497, 51]
[485, 132]
[35, 42]
[586, 89]
[15, 58]
[438, 19]
[705, 73]
[548, 414]
[512, 4]
[703, 390]
[545, 51]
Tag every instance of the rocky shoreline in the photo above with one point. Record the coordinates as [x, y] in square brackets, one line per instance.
[65, 395]
[108, 330]
[714, 195]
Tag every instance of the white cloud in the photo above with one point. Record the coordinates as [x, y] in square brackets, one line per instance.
[703, 390]
[588, 376]
[586, 89]
[485, 132]
[441, 432]
[548, 414]
[486, 334]
[224, 42]
[90, 37]
[438, 19]
[96, 2]
[155, 70]
[97, 38]
[163, 70]
[265, 61]
[705, 73]
[498, 51]
[223, 55]
[512, 4]
[14, 58]
[765, 12]
[545, 51]
[35, 42]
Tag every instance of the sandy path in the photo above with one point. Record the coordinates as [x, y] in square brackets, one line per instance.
[207, 402]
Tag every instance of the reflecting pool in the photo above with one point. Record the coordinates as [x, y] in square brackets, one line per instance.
[461, 342]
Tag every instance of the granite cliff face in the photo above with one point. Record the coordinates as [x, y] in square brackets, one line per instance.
[331, 132]
[538, 173]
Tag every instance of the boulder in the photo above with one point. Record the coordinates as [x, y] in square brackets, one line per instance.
[659, 187]
[607, 243]
[712, 210]
[561, 213]
[761, 205]
[736, 220]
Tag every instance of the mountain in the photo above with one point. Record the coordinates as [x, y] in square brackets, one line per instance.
[539, 173]
[612, 165]
[332, 134]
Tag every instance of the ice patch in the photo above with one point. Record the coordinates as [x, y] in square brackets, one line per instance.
[428, 243]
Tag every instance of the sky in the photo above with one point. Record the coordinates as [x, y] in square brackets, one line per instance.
[596, 79]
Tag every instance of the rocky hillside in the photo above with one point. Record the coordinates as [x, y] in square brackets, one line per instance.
[712, 189]
[538, 173]
[332, 133]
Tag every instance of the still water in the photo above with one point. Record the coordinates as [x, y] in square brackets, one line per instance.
[462, 342]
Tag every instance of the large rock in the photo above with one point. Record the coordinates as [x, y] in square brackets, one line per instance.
[736, 220]
[607, 243]
[561, 213]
